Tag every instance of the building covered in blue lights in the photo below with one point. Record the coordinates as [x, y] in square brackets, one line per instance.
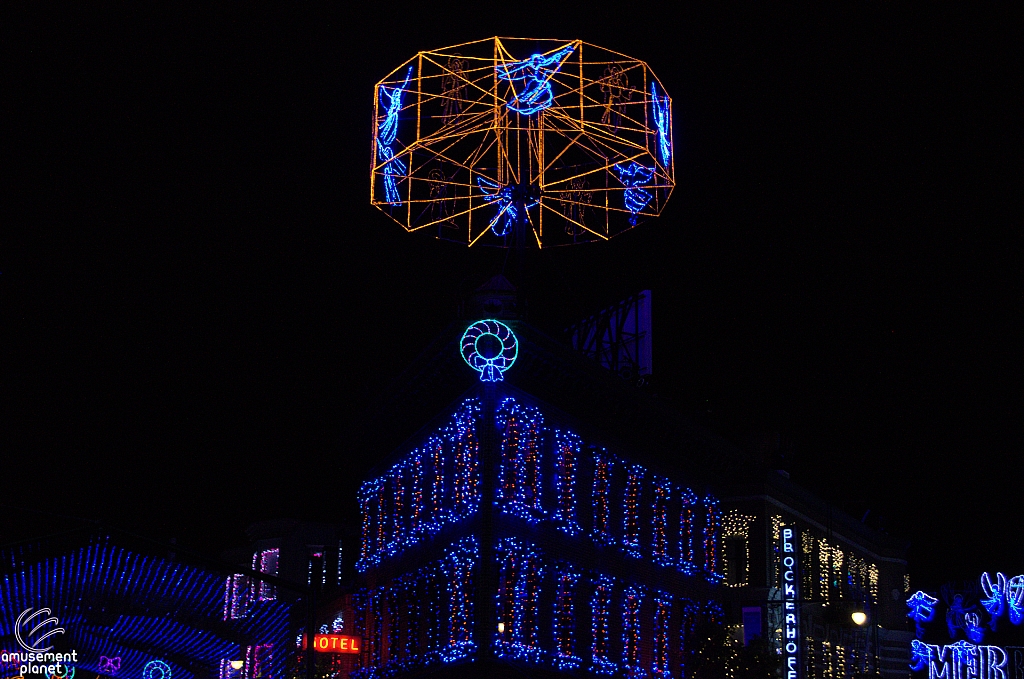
[129, 613]
[534, 525]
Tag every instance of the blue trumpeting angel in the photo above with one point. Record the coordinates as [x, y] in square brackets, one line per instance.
[633, 176]
[534, 76]
[508, 211]
[387, 130]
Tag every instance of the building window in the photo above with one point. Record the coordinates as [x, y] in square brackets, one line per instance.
[266, 562]
[736, 535]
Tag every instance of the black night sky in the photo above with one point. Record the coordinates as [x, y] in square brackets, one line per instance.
[198, 299]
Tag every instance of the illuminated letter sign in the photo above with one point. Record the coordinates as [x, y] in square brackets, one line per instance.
[790, 607]
[336, 643]
[961, 660]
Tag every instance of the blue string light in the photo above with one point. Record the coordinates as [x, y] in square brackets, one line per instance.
[659, 541]
[712, 536]
[106, 576]
[387, 130]
[425, 618]
[491, 361]
[567, 451]
[517, 602]
[633, 176]
[687, 532]
[631, 511]
[565, 657]
[533, 75]
[633, 597]
[600, 496]
[426, 493]
[662, 623]
[600, 618]
[519, 476]
[660, 109]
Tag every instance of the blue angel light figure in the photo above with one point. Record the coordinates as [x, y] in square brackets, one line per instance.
[994, 598]
[387, 130]
[960, 617]
[921, 655]
[972, 627]
[1015, 598]
[534, 76]
[922, 609]
[633, 176]
[660, 108]
[965, 654]
[502, 196]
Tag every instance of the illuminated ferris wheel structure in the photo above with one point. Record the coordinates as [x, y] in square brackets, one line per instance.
[512, 142]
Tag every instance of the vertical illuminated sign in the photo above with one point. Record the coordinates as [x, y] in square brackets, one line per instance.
[790, 604]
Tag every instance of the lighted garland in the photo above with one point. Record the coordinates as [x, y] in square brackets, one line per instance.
[600, 619]
[519, 478]
[518, 600]
[480, 352]
[662, 628]
[425, 492]
[433, 603]
[567, 451]
[687, 531]
[631, 511]
[565, 657]
[633, 598]
[660, 541]
[712, 533]
[600, 493]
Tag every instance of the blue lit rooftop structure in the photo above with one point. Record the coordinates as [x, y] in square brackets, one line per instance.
[514, 533]
[121, 610]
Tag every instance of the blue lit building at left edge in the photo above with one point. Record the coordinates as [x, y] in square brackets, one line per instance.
[132, 613]
[524, 530]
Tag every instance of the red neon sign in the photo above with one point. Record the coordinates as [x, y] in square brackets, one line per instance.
[335, 643]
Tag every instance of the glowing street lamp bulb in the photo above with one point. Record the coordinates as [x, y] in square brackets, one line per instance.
[859, 617]
[501, 628]
[237, 664]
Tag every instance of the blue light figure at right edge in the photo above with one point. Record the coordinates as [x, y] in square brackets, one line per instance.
[1015, 598]
[922, 609]
[535, 74]
[633, 176]
[661, 120]
[387, 130]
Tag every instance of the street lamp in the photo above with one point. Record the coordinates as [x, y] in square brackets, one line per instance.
[859, 618]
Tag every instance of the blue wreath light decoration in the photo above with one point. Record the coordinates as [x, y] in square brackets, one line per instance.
[489, 361]
[156, 669]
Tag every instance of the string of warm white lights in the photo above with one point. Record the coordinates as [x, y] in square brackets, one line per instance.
[737, 525]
